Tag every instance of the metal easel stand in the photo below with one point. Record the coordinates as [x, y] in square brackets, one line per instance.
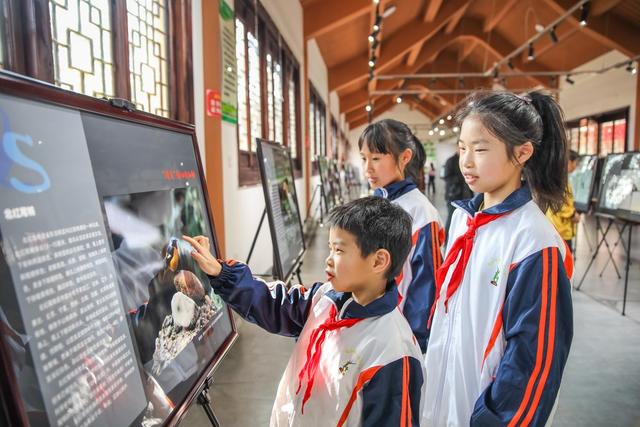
[204, 400]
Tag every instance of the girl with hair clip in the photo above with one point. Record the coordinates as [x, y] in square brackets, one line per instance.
[393, 159]
[501, 325]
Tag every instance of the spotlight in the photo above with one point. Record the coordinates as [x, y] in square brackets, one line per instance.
[374, 45]
[510, 65]
[436, 129]
[376, 1]
[433, 80]
[441, 121]
[431, 132]
[569, 79]
[456, 129]
[531, 56]
[372, 62]
[630, 68]
[553, 35]
[584, 14]
[390, 10]
[376, 27]
[461, 82]
[371, 38]
[368, 108]
[442, 132]
[449, 117]
[399, 100]
[496, 73]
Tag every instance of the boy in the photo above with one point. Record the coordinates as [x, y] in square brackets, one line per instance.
[356, 361]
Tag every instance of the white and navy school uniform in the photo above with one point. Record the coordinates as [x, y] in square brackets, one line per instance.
[416, 282]
[500, 337]
[366, 373]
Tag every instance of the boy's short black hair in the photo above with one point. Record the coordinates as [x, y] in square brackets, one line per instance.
[376, 224]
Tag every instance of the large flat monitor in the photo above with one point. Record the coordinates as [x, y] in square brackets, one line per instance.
[278, 183]
[582, 182]
[105, 319]
[620, 186]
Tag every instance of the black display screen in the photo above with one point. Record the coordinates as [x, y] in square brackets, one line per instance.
[582, 180]
[104, 318]
[620, 186]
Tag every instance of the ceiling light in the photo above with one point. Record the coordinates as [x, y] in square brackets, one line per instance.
[431, 132]
[441, 121]
[510, 65]
[539, 27]
[584, 14]
[456, 129]
[376, 1]
[367, 108]
[449, 117]
[372, 62]
[376, 27]
[630, 68]
[442, 132]
[569, 79]
[390, 10]
[553, 35]
[435, 129]
[399, 100]
[531, 56]
[371, 38]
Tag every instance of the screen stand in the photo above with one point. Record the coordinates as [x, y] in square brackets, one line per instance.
[205, 401]
[319, 206]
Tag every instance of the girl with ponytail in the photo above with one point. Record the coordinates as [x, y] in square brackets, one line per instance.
[501, 324]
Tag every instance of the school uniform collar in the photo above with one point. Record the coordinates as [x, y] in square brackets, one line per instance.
[515, 200]
[348, 308]
[396, 189]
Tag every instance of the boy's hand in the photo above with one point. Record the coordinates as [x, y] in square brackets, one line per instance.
[202, 255]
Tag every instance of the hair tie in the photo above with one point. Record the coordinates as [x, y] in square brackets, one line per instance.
[524, 97]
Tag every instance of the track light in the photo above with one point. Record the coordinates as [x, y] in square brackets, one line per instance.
[449, 117]
[368, 108]
[376, 1]
[372, 62]
[569, 79]
[553, 35]
[496, 73]
[436, 129]
[461, 82]
[584, 14]
[630, 68]
[399, 100]
[442, 132]
[376, 27]
[431, 132]
[370, 75]
[374, 45]
[456, 129]
[441, 121]
[531, 56]
[371, 38]
[510, 65]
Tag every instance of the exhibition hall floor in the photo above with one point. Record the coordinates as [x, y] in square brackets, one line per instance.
[601, 384]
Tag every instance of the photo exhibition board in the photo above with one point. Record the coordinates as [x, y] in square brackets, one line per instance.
[105, 320]
[620, 186]
[582, 182]
[329, 192]
[285, 223]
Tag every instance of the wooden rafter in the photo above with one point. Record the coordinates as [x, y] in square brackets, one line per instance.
[494, 18]
[432, 9]
[323, 16]
[465, 50]
[395, 47]
[455, 19]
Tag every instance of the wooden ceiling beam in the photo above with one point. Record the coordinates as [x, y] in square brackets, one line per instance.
[421, 107]
[607, 29]
[377, 111]
[455, 19]
[494, 18]
[355, 69]
[413, 54]
[323, 16]
[432, 9]
[465, 50]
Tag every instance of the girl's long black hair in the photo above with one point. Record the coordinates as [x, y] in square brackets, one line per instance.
[516, 119]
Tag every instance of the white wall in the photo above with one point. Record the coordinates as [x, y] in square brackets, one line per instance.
[598, 93]
[243, 206]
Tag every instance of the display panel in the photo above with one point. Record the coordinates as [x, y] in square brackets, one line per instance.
[329, 191]
[620, 186]
[104, 318]
[281, 201]
[582, 182]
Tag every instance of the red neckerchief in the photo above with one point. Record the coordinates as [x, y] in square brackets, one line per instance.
[318, 336]
[463, 244]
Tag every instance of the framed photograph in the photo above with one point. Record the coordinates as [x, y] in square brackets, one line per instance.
[285, 223]
[582, 181]
[620, 186]
[104, 317]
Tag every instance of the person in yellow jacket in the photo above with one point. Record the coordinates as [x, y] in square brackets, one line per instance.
[565, 219]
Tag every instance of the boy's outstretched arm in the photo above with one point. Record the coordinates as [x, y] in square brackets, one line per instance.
[270, 306]
[538, 327]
